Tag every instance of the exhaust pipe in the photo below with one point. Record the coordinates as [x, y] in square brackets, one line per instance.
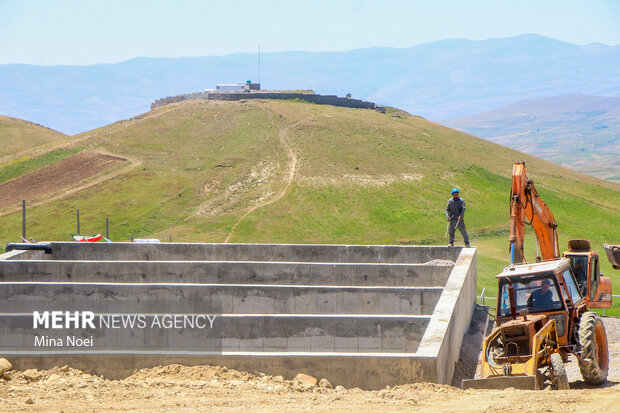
[28, 247]
[511, 297]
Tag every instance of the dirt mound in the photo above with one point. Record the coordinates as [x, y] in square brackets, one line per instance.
[207, 388]
[54, 178]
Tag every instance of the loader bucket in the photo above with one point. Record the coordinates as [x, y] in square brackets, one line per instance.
[502, 382]
[613, 253]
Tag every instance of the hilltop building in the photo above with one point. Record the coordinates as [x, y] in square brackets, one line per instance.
[236, 87]
[248, 90]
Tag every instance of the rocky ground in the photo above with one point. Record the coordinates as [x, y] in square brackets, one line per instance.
[176, 388]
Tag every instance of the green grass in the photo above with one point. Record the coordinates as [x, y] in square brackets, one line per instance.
[18, 135]
[23, 165]
[362, 178]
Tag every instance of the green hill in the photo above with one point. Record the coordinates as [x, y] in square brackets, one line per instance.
[19, 136]
[293, 172]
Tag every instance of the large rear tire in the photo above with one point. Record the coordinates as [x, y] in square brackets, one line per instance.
[557, 364]
[593, 343]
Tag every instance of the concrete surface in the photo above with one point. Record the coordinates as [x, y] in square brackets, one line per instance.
[360, 316]
[127, 251]
[232, 298]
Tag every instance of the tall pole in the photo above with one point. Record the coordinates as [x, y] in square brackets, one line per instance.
[107, 228]
[78, 222]
[24, 218]
[259, 64]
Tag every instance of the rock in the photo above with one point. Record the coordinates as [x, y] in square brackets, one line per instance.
[8, 375]
[53, 378]
[325, 384]
[306, 380]
[340, 388]
[64, 368]
[29, 401]
[5, 366]
[32, 375]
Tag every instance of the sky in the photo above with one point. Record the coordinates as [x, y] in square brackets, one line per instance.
[83, 32]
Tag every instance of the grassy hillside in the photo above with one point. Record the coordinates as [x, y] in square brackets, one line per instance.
[268, 171]
[18, 136]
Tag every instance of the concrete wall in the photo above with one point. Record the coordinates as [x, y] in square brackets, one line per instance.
[127, 251]
[231, 298]
[213, 272]
[451, 317]
[311, 98]
[360, 316]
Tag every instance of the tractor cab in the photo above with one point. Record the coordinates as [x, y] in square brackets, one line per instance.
[541, 319]
[584, 262]
[547, 288]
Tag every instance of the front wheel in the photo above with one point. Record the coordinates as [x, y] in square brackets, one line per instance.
[559, 372]
[594, 351]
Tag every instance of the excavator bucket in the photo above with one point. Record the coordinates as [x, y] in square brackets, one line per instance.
[502, 382]
[613, 253]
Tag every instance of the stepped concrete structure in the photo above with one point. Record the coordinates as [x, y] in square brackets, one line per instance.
[360, 316]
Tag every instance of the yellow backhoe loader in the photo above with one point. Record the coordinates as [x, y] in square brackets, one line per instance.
[542, 307]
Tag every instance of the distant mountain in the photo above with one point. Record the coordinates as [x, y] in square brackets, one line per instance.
[578, 131]
[439, 80]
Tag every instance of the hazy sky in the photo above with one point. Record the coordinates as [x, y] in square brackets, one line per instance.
[72, 32]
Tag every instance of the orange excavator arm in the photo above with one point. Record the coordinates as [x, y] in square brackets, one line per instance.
[526, 202]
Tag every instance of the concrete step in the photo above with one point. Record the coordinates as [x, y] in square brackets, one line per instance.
[228, 272]
[223, 298]
[250, 252]
[232, 332]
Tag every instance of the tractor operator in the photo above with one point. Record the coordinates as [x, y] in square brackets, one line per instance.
[542, 298]
[455, 211]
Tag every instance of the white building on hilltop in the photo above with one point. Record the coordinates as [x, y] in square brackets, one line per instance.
[237, 87]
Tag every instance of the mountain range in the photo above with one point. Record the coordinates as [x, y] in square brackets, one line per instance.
[439, 80]
[579, 131]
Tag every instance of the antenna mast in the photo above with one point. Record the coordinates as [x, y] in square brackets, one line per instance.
[259, 64]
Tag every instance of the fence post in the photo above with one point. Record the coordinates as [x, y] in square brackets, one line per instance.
[107, 228]
[24, 219]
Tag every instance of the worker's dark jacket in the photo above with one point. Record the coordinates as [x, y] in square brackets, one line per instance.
[455, 208]
[540, 301]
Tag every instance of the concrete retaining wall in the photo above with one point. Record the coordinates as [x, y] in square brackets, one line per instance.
[360, 316]
[231, 298]
[127, 251]
[212, 272]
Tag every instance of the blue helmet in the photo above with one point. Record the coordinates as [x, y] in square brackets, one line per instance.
[455, 191]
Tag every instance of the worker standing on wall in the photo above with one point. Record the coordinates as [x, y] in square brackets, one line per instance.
[455, 211]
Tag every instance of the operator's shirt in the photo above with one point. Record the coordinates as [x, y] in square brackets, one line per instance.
[540, 301]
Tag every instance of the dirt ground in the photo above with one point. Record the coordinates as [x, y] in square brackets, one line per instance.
[176, 388]
[54, 178]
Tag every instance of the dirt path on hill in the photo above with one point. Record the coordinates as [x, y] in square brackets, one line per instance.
[55, 178]
[283, 135]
